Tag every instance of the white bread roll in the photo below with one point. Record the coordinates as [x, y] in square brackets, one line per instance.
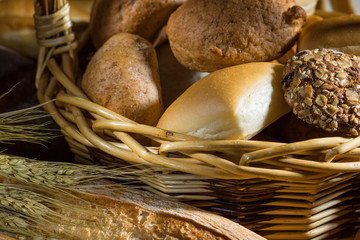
[231, 103]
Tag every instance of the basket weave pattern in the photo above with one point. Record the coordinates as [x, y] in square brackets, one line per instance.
[294, 186]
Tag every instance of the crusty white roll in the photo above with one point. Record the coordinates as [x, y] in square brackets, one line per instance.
[231, 103]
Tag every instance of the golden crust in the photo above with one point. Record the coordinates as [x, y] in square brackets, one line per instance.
[207, 35]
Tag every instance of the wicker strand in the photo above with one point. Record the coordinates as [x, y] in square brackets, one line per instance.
[313, 144]
[342, 148]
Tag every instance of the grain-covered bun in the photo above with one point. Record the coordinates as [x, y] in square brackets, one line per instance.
[144, 18]
[339, 33]
[231, 103]
[207, 35]
[123, 76]
[323, 88]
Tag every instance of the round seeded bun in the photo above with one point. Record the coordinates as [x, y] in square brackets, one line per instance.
[231, 103]
[323, 89]
[339, 33]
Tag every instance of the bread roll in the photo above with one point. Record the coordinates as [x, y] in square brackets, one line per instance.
[339, 33]
[207, 35]
[322, 87]
[231, 103]
[123, 76]
[144, 18]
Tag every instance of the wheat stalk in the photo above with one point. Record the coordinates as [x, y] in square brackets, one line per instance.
[52, 212]
[16, 126]
[62, 174]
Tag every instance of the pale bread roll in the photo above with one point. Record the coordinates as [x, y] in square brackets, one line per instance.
[231, 103]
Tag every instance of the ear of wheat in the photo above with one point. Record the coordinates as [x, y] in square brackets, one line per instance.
[50, 212]
[62, 174]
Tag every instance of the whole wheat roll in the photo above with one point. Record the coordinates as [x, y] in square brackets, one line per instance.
[123, 76]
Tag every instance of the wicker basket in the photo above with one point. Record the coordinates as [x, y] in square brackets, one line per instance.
[301, 190]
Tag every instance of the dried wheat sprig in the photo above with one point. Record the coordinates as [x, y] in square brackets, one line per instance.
[62, 174]
[50, 211]
[19, 224]
[15, 126]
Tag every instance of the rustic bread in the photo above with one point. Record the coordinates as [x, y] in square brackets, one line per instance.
[123, 76]
[206, 35]
[142, 215]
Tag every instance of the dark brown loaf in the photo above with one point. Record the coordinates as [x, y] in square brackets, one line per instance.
[144, 18]
[206, 35]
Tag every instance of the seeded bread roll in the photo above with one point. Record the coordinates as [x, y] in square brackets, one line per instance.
[231, 103]
[207, 35]
[323, 87]
[144, 18]
[123, 76]
[339, 33]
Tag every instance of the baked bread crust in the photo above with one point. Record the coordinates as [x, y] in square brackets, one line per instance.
[142, 215]
[144, 18]
[206, 35]
[123, 76]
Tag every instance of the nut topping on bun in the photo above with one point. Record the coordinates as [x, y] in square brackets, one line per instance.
[323, 88]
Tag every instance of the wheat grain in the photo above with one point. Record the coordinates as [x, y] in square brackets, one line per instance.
[61, 174]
